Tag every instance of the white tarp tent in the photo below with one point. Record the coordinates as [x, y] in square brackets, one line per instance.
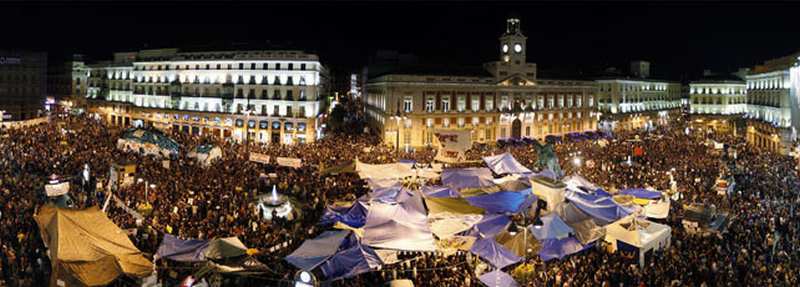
[391, 171]
[657, 209]
[206, 154]
[640, 233]
[399, 226]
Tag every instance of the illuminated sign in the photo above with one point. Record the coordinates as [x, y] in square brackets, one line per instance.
[10, 61]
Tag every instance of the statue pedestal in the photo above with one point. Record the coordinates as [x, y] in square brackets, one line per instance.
[548, 190]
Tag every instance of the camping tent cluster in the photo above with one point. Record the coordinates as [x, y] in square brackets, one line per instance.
[222, 255]
[471, 211]
[149, 142]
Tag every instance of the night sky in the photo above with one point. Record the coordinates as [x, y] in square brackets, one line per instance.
[680, 40]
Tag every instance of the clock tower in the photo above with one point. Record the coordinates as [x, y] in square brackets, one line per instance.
[512, 43]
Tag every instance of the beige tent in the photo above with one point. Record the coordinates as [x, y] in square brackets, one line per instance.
[229, 247]
[88, 249]
[451, 205]
[519, 242]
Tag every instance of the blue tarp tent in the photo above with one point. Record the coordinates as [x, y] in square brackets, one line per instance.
[558, 248]
[392, 194]
[498, 278]
[176, 249]
[552, 228]
[400, 226]
[505, 163]
[460, 178]
[501, 202]
[641, 193]
[350, 262]
[314, 252]
[439, 192]
[354, 216]
[489, 226]
[494, 253]
[601, 208]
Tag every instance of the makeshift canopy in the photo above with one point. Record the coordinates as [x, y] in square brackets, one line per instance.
[519, 242]
[498, 278]
[447, 224]
[641, 193]
[176, 249]
[221, 248]
[87, 248]
[559, 248]
[206, 154]
[461, 178]
[490, 226]
[577, 183]
[451, 205]
[503, 201]
[353, 216]
[314, 252]
[439, 191]
[492, 252]
[584, 227]
[391, 194]
[505, 163]
[552, 228]
[383, 183]
[601, 208]
[657, 209]
[350, 262]
[147, 141]
[640, 233]
[400, 226]
[391, 171]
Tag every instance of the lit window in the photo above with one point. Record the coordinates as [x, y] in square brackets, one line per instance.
[407, 104]
[429, 105]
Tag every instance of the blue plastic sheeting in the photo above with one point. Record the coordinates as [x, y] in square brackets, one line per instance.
[501, 202]
[314, 252]
[601, 208]
[494, 253]
[354, 216]
[505, 163]
[393, 194]
[559, 248]
[176, 249]
[489, 226]
[641, 193]
[460, 178]
[552, 228]
[350, 262]
[401, 226]
[498, 278]
[439, 192]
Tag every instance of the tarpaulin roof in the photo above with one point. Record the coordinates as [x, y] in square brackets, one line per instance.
[601, 208]
[657, 209]
[503, 201]
[583, 225]
[505, 163]
[552, 228]
[577, 182]
[519, 242]
[638, 232]
[460, 178]
[176, 249]
[498, 278]
[558, 248]
[494, 253]
[354, 216]
[151, 137]
[383, 183]
[451, 205]
[350, 262]
[221, 248]
[446, 224]
[391, 170]
[641, 193]
[87, 248]
[391, 194]
[490, 225]
[314, 252]
[401, 226]
[439, 191]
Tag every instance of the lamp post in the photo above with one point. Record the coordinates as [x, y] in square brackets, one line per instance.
[146, 185]
[398, 117]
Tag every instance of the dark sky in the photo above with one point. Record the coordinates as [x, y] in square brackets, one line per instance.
[678, 39]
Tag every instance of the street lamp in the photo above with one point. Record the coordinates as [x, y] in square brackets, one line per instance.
[398, 117]
[146, 185]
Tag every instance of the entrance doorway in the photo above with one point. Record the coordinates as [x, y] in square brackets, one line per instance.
[516, 129]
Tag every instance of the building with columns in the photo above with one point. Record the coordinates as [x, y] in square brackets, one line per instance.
[504, 99]
[265, 96]
[772, 103]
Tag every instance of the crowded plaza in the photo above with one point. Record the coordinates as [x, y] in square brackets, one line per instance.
[240, 220]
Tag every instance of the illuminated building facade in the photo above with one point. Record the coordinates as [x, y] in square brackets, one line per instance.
[23, 84]
[502, 100]
[718, 95]
[634, 102]
[257, 96]
[772, 104]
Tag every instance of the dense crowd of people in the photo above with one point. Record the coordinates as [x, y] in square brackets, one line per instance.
[190, 200]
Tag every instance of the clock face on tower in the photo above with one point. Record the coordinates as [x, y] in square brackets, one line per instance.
[517, 48]
[505, 48]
